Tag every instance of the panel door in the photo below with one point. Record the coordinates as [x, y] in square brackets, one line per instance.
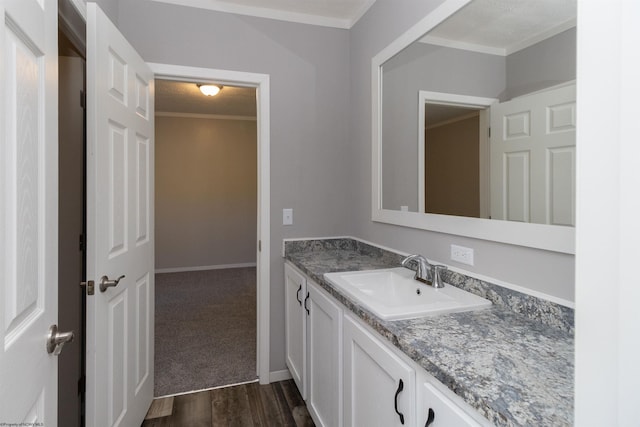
[324, 343]
[28, 210]
[295, 292]
[533, 154]
[378, 385]
[120, 153]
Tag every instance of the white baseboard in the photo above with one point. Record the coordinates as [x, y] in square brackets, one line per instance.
[204, 267]
[276, 376]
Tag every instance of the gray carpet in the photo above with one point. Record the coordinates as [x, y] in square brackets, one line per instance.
[205, 329]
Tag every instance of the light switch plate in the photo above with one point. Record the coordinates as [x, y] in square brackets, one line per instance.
[287, 216]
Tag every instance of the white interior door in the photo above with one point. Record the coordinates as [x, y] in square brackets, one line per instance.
[533, 158]
[120, 152]
[28, 210]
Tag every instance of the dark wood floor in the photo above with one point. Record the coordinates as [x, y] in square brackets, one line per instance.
[276, 404]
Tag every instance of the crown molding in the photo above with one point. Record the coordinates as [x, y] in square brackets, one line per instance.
[204, 116]
[280, 15]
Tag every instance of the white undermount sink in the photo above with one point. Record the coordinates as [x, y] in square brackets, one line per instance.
[394, 294]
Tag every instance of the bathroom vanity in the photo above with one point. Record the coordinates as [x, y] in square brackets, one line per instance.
[509, 364]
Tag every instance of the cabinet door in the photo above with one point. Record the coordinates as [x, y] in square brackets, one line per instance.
[324, 346]
[378, 385]
[437, 409]
[295, 291]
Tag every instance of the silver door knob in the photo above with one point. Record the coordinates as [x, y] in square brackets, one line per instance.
[56, 340]
[105, 282]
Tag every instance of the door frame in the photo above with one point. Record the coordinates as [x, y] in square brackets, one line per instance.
[261, 83]
[481, 104]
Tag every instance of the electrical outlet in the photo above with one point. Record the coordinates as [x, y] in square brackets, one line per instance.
[462, 254]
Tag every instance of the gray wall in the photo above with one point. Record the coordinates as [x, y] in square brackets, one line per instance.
[109, 7]
[538, 270]
[206, 192]
[321, 130]
[425, 67]
[309, 75]
[545, 64]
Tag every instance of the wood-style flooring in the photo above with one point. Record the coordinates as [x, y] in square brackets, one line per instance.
[269, 405]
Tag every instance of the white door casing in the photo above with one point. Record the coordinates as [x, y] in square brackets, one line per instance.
[28, 210]
[533, 157]
[261, 83]
[120, 239]
[462, 101]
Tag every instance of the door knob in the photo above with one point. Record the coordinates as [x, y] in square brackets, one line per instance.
[105, 282]
[56, 340]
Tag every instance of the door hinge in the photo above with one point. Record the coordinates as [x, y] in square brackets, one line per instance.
[90, 285]
[81, 245]
[489, 132]
[259, 245]
[83, 99]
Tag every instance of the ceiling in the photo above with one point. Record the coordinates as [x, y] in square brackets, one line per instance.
[502, 27]
[329, 13]
[186, 98]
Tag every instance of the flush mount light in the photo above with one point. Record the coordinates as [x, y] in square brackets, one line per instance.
[210, 90]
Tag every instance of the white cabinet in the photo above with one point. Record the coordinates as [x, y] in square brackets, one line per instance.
[349, 376]
[295, 291]
[439, 407]
[313, 332]
[324, 349]
[379, 387]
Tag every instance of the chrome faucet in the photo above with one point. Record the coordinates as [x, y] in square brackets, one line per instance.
[423, 270]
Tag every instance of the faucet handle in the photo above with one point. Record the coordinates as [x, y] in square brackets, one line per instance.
[437, 280]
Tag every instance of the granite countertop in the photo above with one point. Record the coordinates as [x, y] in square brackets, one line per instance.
[513, 362]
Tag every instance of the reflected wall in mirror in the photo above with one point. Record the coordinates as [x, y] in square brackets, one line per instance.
[508, 66]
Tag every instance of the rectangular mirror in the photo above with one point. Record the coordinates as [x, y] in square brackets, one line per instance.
[474, 123]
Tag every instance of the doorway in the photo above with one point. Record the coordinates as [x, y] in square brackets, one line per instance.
[205, 236]
[261, 84]
[71, 212]
[457, 125]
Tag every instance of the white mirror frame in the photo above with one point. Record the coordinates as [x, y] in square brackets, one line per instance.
[541, 236]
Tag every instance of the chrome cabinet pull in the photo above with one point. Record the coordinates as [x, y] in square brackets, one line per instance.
[106, 283]
[56, 340]
[298, 295]
[400, 388]
[305, 303]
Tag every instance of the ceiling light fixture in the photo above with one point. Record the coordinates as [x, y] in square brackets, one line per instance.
[210, 90]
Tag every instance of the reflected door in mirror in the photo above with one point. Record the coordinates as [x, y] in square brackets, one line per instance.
[533, 145]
